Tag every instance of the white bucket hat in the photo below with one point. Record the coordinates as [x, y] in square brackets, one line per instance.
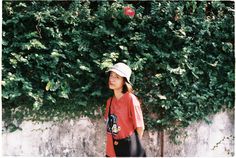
[122, 69]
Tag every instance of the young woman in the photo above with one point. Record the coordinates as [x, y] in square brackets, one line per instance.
[123, 116]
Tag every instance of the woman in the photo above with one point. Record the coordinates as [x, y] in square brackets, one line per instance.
[123, 115]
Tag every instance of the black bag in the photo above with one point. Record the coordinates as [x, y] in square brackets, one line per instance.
[128, 147]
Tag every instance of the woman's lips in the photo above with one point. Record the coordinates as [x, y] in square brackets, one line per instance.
[111, 84]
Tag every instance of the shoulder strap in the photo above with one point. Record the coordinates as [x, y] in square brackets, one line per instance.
[109, 113]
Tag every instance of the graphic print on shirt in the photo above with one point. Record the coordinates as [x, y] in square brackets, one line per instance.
[112, 126]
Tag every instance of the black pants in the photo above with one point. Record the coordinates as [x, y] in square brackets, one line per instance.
[130, 147]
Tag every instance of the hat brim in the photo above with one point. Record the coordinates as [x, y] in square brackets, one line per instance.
[119, 73]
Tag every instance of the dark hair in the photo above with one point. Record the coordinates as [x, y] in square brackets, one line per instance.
[127, 87]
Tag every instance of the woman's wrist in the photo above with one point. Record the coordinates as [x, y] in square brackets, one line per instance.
[140, 132]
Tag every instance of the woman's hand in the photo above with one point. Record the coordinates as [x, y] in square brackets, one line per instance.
[140, 132]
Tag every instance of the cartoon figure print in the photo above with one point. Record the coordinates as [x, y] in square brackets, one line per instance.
[112, 126]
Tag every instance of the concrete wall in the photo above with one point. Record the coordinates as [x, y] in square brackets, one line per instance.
[200, 138]
[84, 137]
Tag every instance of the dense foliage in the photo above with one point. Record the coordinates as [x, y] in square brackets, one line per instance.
[55, 55]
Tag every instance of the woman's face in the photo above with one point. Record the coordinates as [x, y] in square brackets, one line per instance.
[115, 81]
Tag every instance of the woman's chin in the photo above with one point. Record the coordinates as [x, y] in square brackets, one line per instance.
[111, 87]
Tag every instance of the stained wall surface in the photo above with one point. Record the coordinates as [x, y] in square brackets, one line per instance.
[85, 137]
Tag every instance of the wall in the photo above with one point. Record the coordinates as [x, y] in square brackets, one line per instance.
[84, 137]
[200, 138]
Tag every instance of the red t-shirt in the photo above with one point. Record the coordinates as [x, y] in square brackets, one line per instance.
[129, 116]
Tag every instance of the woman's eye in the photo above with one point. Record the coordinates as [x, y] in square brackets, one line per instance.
[115, 76]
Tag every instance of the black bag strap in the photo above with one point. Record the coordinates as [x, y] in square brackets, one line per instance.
[109, 113]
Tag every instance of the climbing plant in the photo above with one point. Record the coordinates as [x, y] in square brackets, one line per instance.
[55, 55]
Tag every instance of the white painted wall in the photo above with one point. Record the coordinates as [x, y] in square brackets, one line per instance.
[202, 137]
[83, 137]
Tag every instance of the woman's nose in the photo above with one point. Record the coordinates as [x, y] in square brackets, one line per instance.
[112, 79]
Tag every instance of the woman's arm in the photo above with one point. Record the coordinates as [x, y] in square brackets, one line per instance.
[140, 132]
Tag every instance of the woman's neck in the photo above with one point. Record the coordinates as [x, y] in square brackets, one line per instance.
[118, 93]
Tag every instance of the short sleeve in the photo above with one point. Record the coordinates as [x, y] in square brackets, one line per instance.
[136, 112]
[107, 108]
